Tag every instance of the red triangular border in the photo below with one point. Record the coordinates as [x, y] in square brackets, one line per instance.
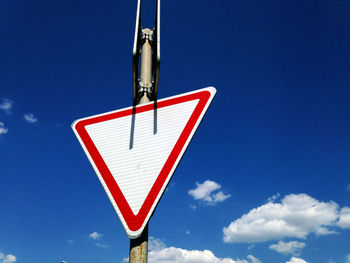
[135, 222]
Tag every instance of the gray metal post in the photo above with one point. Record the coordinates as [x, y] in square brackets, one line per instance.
[139, 246]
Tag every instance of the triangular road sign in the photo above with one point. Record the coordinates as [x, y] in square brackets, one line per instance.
[136, 150]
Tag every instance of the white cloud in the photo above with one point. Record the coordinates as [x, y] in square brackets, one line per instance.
[348, 259]
[296, 260]
[292, 247]
[95, 235]
[102, 245]
[3, 129]
[344, 218]
[7, 258]
[253, 259]
[155, 244]
[296, 216]
[188, 232]
[179, 255]
[250, 247]
[160, 254]
[273, 198]
[204, 192]
[30, 118]
[6, 105]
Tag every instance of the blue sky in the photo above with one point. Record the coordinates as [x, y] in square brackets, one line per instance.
[266, 176]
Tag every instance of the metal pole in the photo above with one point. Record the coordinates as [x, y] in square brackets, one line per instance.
[139, 246]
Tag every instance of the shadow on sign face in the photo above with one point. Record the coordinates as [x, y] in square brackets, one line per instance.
[132, 128]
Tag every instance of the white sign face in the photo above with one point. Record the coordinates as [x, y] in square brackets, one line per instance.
[136, 150]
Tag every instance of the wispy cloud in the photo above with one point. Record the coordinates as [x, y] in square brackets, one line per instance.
[155, 244]
[292, 247]
[6, 105]
[296, 216]
[3, 129]
[344, 218]
[102, 245]
[7, 258]
[30, 118]
[250, 247]
[253, 259]
[205, 193]
[273, 198]
[348, 259]
[193, 207]
[95, 235]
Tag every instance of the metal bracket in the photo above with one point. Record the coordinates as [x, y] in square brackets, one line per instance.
[146, 34]
[139, 38]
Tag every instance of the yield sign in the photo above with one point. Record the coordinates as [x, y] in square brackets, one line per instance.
[136, 150]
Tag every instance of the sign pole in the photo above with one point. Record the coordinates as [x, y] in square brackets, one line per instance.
[139, 246]
[145, 89]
